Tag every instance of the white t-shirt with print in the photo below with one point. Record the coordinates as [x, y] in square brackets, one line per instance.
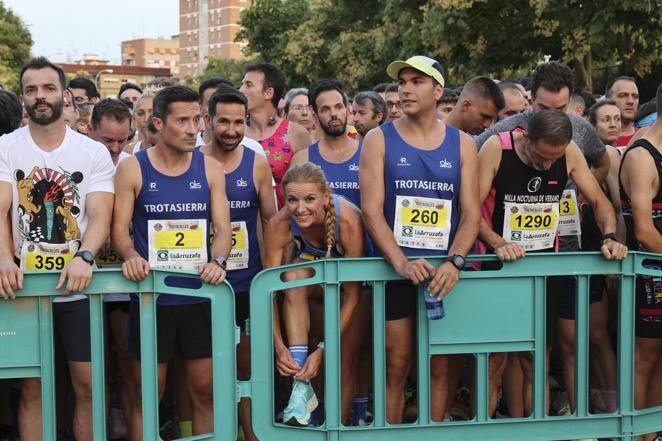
[49, 188]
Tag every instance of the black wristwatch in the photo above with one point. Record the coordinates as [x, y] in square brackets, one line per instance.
[86, 256]
[220, 261]
[611, 236]
[457, 261]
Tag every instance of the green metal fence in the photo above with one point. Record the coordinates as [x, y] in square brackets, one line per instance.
[26, 346]
[488, 312]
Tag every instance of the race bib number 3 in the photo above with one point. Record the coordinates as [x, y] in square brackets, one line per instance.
[569, 224]
[239, 254]
[46, 257]
[422, 222]
[533, 226]
[177, 243]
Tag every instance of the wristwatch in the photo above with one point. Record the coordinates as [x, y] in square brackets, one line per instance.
[220, 260]
[457, 261]
[86, 256]
[611, 236]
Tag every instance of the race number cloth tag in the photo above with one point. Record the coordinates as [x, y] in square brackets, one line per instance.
[110, 259]
[239, 254]
[180, 244]
[36, 256]
[533, 226]
[422, 222]
[569, 224]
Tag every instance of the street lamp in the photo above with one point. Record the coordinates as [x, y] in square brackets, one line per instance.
[96, 78]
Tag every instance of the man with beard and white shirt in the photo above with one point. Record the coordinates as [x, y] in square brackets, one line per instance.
[57, 187]
[251, 197]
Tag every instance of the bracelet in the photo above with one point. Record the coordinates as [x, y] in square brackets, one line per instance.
[320, 345]
[611, 236]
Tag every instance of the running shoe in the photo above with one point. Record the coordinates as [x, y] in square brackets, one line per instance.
[302, 402]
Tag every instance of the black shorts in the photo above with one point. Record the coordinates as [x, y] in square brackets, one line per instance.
[117, 306]
[72, 324]
[400, 299]
[242, 309]
[183, 329]
[565, 289]
[648, 307]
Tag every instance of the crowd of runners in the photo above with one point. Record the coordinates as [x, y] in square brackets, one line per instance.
[230, 179]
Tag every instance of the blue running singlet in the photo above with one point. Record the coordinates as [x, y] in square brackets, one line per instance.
[171, 221]
[342, 178]
[421, 192]
[244, 261]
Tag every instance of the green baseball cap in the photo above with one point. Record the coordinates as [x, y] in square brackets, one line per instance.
[427, 65]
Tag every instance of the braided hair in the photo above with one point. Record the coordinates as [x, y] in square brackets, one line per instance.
[312, 173]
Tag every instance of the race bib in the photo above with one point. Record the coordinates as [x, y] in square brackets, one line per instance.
[422, 222]
[239, 254]
[37, 256]
[112, 259]
[177, 244]
[569, 224]
[533, 226]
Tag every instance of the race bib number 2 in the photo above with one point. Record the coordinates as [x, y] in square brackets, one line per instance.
[178, 243]
[422, 222]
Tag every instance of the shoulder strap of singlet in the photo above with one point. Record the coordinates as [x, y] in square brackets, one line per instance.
[282, 128]
[644, 144]
[506, 140]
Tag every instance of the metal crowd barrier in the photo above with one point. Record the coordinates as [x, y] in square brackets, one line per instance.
[488, 312]
[26, 346]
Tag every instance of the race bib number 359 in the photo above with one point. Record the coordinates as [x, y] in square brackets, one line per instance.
[422, 222]
[46, 257]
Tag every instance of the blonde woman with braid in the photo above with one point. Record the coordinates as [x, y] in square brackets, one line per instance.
[313, 224]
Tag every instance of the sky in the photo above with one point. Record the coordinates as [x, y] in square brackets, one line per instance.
[63, 33]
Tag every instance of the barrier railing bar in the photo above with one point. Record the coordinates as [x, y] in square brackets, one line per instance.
[332, 362]
[47, 358]
[581, 345]
[379, 353]
[475, 348]
[540, 348]
[626, 345]
[482, 394]
[148, 366]
[98, 367]
[423, 389]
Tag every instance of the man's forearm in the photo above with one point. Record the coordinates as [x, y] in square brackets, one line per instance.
[382, 235]
[123, 244]
[601, 168]
[488, 236]
[465, 236]
[97, 232]
[604, 216]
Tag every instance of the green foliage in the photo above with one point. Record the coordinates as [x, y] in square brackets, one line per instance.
[355, 41]
[15, 45]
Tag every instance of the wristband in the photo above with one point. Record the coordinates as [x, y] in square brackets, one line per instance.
[320, 345]
[611, 236]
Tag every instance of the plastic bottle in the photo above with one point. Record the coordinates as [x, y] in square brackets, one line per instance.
[434, 307]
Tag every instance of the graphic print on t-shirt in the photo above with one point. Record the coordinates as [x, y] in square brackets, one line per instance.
[48, 209]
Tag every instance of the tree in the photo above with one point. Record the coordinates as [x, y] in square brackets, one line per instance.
[500, 38]
[231, 70]
[15, 45]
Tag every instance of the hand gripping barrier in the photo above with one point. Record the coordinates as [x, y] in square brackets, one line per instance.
[487, 312]
[26, 346]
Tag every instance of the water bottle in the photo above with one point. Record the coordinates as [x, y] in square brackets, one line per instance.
[434, 307]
